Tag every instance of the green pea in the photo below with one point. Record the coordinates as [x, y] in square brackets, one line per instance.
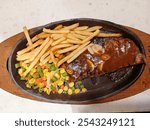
[17, 65]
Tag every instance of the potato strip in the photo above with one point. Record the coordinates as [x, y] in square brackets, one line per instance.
[81, 37]
[85, 33]
[109, 35]
[39, 42]
[57, 36]
[67, 49]
[71, 54]
[58, 27]
[70, 36]
[94, 28]
[78, 53]
[81, 28]
[46, 60]
[71, 27]
[55, 31]
[27, 55]
[53, 49]
[60, 46]
[27, 35]
[43, 48]
[73, 41]
[52, 57]
[58, 41]
[91, 36]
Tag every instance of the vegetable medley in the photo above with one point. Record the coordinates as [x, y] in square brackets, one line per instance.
[49, 79]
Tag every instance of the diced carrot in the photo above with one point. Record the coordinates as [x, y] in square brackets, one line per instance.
[43, 66]
[44, 83]
[39, 80]
[62, 86]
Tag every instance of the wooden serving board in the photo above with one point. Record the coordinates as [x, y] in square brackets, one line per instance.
[142, 84]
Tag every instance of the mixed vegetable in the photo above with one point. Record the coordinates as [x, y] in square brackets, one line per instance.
[49, 79]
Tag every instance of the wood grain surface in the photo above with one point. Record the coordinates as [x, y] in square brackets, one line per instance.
[142, 84]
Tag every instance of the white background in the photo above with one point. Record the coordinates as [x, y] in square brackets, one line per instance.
[14, 14]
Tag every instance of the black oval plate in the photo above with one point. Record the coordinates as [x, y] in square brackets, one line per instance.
[98, 87]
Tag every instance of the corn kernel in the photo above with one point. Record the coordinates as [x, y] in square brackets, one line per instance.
[25, 66]
[62, 70]
[28, 86]
[77, 91]
[60, 82]
[41, 85]
[57, 75]
[54, 84]
[65, 88]
[67, 78]
[48, 91]
[45, 89]
[60, 91]
[71, 84]
[20, 71]
[47, 74]
[84, 90]
[45, 70]
[32, 81]
[70, 91]
[33, 70]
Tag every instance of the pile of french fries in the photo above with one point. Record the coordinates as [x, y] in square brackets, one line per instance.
[59, 45]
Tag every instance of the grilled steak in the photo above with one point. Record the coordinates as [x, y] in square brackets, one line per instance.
[114, 54]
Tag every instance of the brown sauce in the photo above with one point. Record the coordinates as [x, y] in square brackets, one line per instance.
[119, 53]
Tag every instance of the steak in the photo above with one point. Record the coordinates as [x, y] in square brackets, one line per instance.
[116, 53]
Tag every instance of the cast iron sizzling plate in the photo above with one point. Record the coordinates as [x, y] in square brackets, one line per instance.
[98, 87]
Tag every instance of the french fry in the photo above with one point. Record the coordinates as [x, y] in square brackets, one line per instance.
[91, 36]
[39, 42]
[67, 49]
[43, 48]
[72, 37]
[43, 36]
[58, 27]
[81, 28]
[55, 31]
[53, 58]
[35, 38]
[64, 42]
[58, 41]
[81, 37]
[26, 55]
[27, 35]
[94, 28]
[53, 49]
[71, 54]
[78, 53]
[73, 41]
[57, 36]
[84, 33]
[47, 59]
[71, 27]
[60, 46]
[109, 34]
